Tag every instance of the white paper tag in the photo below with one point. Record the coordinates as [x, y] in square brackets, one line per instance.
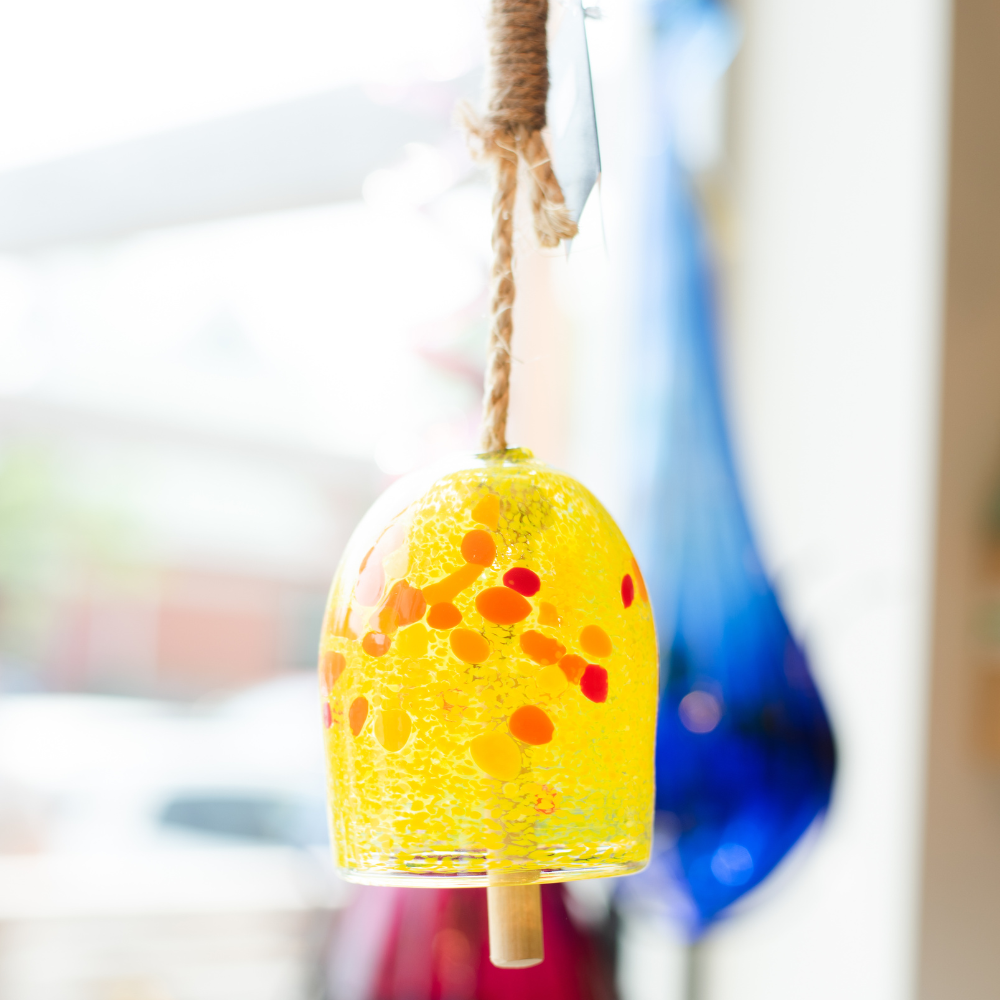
[576, 156]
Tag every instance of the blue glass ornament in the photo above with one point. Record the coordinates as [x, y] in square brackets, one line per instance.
[745, 754]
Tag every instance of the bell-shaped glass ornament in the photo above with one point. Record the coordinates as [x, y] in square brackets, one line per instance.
[489, 673]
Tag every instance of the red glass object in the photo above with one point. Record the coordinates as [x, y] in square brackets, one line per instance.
[433, 944]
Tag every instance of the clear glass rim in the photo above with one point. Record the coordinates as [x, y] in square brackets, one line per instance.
[470, 880]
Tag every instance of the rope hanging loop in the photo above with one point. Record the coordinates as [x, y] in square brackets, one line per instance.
[509, 137]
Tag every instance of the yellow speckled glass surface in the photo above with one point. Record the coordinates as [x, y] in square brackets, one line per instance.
[489, 673]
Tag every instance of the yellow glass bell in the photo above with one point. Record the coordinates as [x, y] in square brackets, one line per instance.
[489, 673]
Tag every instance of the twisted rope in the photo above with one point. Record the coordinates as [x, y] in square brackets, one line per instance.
[509, 137]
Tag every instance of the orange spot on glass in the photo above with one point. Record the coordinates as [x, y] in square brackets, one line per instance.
[327, 715]
[542, 648]
[573, 667]
[403, 605]
[443, 616]
[548, 614]
[523, 580]
[371, 575]
[496, 754]
[479, 548]
[639, 582]
[595, 641]
[594, 683]
[331, 666]
[357, 714]
[530, 724]
[628, 591]
[487, 511]
[502, 606]
[392, 729]
[469, 646]
[451, 586]
[371, 580]
[348, 622]
[376, 644]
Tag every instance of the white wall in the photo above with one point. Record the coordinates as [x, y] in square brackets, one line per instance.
[839, 112]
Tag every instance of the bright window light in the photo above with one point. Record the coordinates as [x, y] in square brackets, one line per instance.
[346, 328]
[76, 74]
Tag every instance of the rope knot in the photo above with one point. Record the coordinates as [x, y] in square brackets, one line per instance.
[509, 136]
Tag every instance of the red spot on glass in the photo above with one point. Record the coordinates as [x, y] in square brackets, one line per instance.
[628, 591]
[594, 683]
[524, 581]
[327, 715]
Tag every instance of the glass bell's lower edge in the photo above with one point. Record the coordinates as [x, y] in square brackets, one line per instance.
[441, 880]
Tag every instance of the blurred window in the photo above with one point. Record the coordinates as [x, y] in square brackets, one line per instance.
[266, 818]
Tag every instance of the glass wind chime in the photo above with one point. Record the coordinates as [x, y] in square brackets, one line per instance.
[488, 656]
[745, 755]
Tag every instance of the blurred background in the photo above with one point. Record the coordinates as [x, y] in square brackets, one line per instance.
[243, 278]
